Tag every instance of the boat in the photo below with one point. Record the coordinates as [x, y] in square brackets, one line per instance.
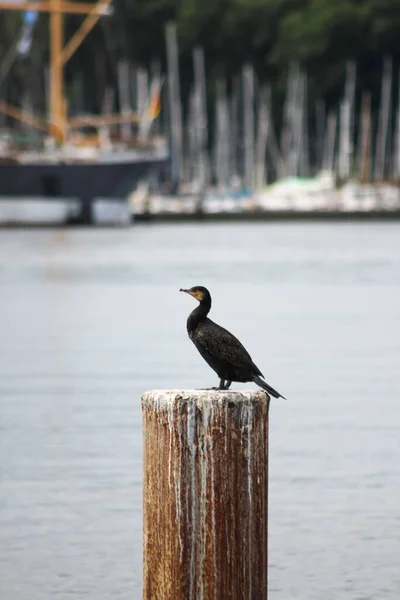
[66, 169]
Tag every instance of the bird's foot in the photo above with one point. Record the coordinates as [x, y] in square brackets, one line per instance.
[207, 389]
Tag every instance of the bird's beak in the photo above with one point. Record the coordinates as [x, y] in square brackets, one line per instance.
[186, 291]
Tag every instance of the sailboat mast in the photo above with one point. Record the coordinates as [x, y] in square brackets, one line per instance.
[57, 113]
[59, 54]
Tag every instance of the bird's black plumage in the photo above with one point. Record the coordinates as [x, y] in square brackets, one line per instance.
[219, 348]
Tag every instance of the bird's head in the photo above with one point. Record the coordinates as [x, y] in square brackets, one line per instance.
[199, 292]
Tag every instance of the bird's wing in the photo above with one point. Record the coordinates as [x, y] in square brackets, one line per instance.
[224, 345]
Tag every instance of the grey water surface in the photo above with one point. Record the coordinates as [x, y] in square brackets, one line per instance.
[91, 318]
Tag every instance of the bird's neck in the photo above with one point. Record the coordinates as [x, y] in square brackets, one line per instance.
[198, 315]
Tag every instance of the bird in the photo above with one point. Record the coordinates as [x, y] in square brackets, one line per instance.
[220, 348]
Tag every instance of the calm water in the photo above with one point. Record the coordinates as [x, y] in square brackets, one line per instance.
[90, 319]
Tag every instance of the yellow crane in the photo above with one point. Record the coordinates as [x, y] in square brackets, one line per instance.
[58, 123]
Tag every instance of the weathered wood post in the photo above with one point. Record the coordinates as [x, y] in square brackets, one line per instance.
[205, 495]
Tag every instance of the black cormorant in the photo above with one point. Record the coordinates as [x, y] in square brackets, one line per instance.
[219, 348]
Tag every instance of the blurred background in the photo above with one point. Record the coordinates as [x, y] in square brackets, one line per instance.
[152, 108]
[249, 146]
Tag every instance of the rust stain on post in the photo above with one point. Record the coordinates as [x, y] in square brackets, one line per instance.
[205, 495]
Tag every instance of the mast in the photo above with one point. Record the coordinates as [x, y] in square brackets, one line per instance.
[59, 54]
[56, 70]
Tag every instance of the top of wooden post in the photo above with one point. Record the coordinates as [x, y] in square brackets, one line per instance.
[162, 400]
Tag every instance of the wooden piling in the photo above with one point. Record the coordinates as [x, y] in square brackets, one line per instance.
[205, 495]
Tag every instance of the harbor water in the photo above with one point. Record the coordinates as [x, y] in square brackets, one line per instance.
[91, 318]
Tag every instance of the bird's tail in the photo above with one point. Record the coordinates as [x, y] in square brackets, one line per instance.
[267, 387]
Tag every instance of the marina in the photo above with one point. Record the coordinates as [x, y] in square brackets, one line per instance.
[293, 198]
[155, 155]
